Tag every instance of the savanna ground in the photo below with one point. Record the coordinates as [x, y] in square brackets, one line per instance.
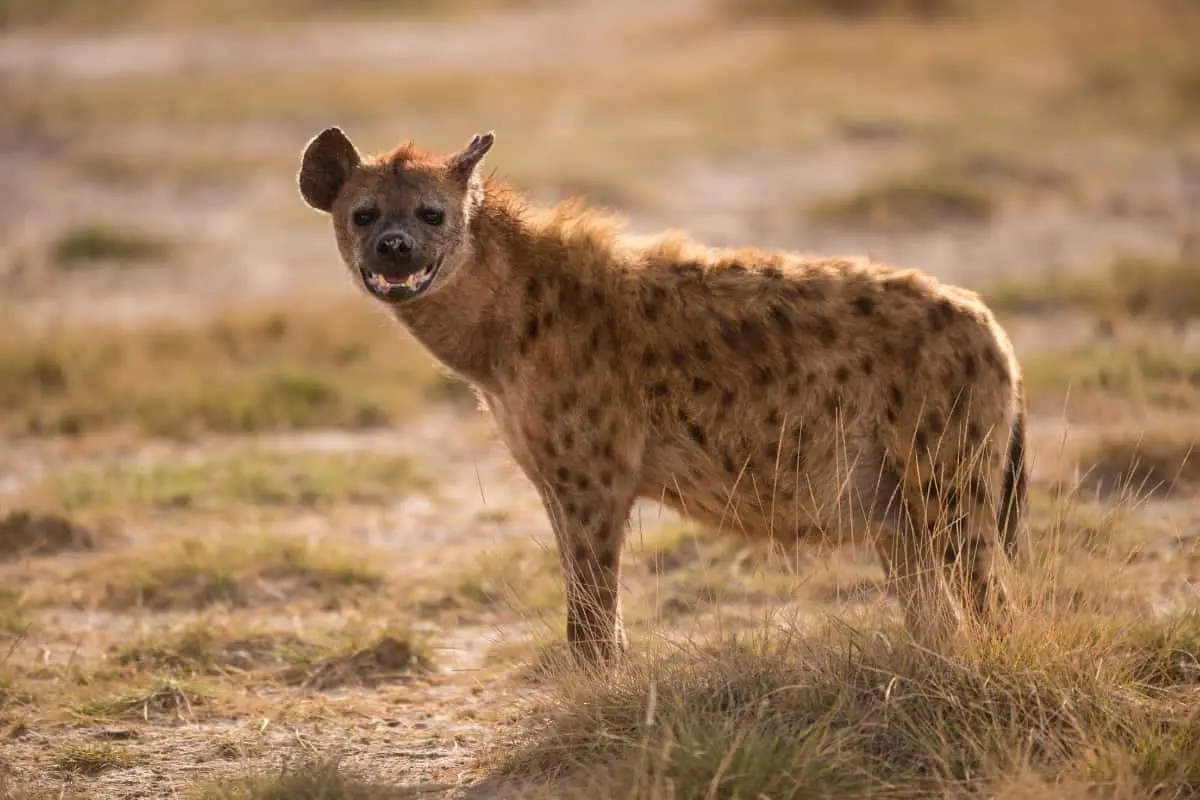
[253, 545]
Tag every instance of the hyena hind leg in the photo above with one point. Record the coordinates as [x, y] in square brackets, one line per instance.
[912, 561]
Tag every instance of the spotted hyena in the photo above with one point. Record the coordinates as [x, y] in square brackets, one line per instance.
[780, 395]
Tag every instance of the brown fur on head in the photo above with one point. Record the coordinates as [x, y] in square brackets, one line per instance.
[401, 219]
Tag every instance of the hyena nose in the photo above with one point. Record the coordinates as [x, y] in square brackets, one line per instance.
[394, 245]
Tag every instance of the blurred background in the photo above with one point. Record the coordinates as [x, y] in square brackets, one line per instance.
[204, 423]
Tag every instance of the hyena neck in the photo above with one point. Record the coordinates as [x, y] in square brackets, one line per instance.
[470, 323]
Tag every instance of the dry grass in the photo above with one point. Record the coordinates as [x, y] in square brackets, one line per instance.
[854, 712]
[162, 699]
[281, 368]
[249, 570]
[93, 758]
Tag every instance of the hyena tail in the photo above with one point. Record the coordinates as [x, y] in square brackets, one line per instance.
[1016, 486]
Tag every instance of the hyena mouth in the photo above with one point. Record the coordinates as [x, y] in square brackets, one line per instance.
[409, 286]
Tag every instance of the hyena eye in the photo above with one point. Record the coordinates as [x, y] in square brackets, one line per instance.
[365, 216]
[430, 215]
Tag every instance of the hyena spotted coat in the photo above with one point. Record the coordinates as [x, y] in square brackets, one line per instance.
[770, 393]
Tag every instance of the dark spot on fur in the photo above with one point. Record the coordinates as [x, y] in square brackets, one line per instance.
[897, 396]
[940, 315]
[921, 441]
[703, 351]
[649, 357]
[970, 367]
[772, 272]
[868, 365]
[678, 358]
[533, 290]
[659, 389]
[811, 292]
[606, 478]
[824, 329]
[582, 481]
[793, 388]
[773, 418]
[726, 397]
[697, 434]
[889, 350]
[531, 329]
[700, 385]
[563, 474]
[570, 399]
[727, 462]
[568, 440]
[608, 559]
[593, 414]
[586, 514]
[891, 415]
[832, 403]
[951, 556]
[608, 452]
[781, 318]
[865, 305]
[935, 422]
[842, 374]
[652, 303]
[762, 376]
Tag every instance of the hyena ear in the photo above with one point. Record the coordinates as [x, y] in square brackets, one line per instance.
[464, 163]
[329, 159]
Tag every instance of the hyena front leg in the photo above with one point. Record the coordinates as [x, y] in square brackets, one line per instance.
[589, 520]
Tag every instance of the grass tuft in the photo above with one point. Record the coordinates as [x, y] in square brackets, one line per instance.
[91, 759]
[919, 199]
[32, 533]
[847, 712]
[390, 658]
[93, 243]
[311, 780]
[1161, 289]
[164, 699]
[249, 571]
[1140, 466]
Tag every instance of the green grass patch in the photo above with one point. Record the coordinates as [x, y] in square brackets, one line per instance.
[845, 712]
[264, 478]
[285, 368]
[1125, 373]
[94, 758]
[249, 570]
[1131, 286]
[921, 199]
[95, 242]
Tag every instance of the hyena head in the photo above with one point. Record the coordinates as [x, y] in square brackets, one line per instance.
[402, 220]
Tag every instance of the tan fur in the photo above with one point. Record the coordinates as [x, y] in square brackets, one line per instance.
[769, 393]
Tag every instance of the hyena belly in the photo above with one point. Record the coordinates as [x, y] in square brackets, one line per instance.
[787, 479]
